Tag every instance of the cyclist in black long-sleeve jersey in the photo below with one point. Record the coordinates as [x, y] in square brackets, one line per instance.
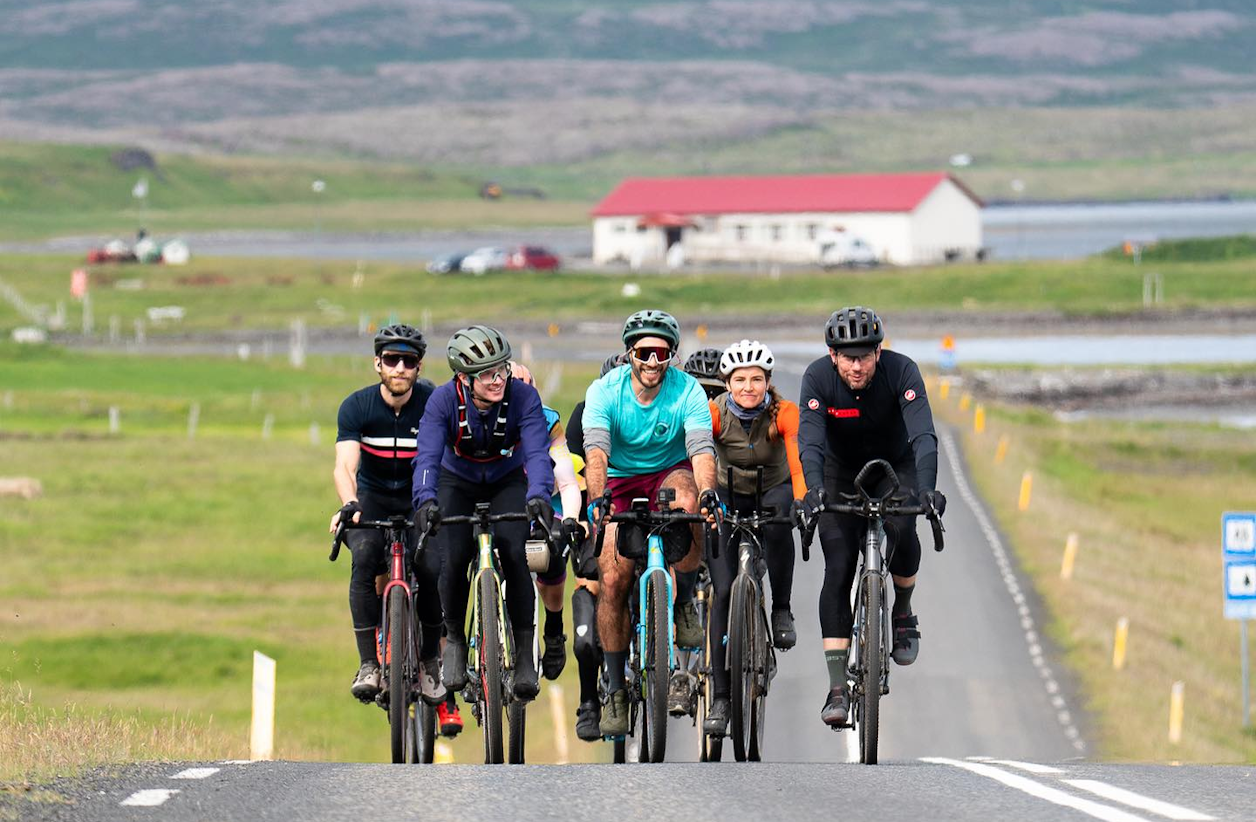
[857, 404]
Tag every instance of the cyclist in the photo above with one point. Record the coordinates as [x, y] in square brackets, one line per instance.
[584, 599]
[551, 584]
[646, 427]
[704, 366]
[754, 428]
[483, 439]
[861, 403]
[375, 443]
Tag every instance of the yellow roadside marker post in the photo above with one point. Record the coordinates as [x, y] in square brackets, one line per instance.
[1070, 556]
[979, 419]
[553, 329]
[1118, 643]
[1027, 484]
[944, 388]
[1177, 710]
[1000, 453]
[965, 401]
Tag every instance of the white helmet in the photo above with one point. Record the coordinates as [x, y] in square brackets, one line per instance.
[745, 354]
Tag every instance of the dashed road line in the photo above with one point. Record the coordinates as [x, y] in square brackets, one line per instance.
[1040, 791]
[1063, 716]
[150, 798]
[1135, 800]
[1031, 767]
[195, 773]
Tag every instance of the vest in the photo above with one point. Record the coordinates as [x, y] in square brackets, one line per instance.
[746, 450]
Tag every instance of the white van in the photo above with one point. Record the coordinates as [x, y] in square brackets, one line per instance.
[836, 249]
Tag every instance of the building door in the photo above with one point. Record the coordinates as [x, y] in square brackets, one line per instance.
[673, 235]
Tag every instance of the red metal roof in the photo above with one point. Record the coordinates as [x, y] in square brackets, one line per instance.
[773, 195]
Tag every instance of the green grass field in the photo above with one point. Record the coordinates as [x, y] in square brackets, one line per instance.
[267, 294]
[137, 586]
[1145, 500]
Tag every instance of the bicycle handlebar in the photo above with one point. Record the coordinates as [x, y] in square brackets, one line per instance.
[653, 520]
[377, 524]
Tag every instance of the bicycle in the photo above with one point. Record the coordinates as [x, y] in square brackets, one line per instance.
[868, 666]
[491, 653]
[750, 656]
[651, 658]
[411, 720]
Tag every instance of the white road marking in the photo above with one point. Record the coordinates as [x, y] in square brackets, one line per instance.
[236, 762]
[1040, 791]
[1135, 800]
[1032, 767]
[1013, 588]
[195, 773]
[149, 798]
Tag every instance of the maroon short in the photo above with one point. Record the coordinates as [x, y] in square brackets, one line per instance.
[625, 489]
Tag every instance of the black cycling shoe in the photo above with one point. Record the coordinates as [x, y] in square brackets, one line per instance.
[716, 722]
[615, 714]
[906, 639]
[526, 684]
[836, 707]
[784, 635]
[454, 665]
[588, 715]
[555, 657]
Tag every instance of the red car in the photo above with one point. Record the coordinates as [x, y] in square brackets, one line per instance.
[534, 257]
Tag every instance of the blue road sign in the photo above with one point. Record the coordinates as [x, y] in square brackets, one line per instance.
[1238, 560]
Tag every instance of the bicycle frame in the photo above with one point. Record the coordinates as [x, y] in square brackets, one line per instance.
[487, 562]
[655, 565]
[873, 570]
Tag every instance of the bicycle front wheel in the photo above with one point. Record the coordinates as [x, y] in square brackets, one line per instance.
[741, 640]
[518, 715]
[398, 684]
[655, 657]
[489, 648]
[423, 738]
[760, 657]
[870, 669]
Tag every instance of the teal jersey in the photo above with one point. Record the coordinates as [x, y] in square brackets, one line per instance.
[646, 438]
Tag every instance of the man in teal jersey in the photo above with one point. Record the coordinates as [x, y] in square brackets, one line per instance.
[645, 427]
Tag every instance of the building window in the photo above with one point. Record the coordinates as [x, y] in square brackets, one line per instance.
[740, 232]
[775, 232]
[812, 230]
[621, 228]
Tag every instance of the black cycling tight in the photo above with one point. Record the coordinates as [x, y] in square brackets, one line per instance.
[457, 497]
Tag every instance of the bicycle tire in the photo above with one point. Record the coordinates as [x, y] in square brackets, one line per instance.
[424, 736]
[870, 673]
[517, 713]
[711, 747]
[758, 708]
[491, 665]
[400, 729]
[619, 752]
[740, 664]
[656, 658]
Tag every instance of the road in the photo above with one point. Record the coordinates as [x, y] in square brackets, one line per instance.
[984, 724]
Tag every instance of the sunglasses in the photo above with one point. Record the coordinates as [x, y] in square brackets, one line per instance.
[491, 375]
[660, 353]
[409, 361]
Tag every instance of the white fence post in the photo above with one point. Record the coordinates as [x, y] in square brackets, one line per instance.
[262, 736]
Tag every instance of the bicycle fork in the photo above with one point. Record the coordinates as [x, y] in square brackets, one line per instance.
[655, 567]
[397, 579]
[505, 638]
[872, 573]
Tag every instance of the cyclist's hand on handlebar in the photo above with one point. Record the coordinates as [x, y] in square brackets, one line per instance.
[599, 508]
[541, 512]
[710, 507]
[934, 500]
[427, 518]
[813, 502]
[351, 511]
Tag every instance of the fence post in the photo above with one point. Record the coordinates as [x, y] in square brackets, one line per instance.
[262, 735]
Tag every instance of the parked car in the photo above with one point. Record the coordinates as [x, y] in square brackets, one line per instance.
[483, 260]
[835, 249]
[534, 257]
[448, 264]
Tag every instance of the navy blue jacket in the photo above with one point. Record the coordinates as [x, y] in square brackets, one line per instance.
[527, 441]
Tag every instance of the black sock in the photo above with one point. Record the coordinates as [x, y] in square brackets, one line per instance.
[429, 640]
[367, 649]
[836, 662]
[686, 581]
[553, 622]
[902, 600]
[615, 661]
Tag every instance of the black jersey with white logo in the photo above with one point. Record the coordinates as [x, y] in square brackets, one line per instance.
[387, 437]
[840, 430]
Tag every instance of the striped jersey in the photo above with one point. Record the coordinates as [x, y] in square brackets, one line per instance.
[387, 437]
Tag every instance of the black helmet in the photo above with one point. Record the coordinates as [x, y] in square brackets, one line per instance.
[476, 348]
[857, 330]
[704, 363]
[399, 337]
[652, 323]
[612, 362]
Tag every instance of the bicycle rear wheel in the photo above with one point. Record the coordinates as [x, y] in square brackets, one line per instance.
[423, 738]
[518, 715]
[490, 652]
[870, 669]
[760, 657]
[656, 657]
[399, 726]
[741, 641]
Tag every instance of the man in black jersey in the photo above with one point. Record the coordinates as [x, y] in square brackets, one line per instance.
[861, 403]
[375, 445]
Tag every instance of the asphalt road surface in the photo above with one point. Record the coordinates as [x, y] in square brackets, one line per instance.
[984, 724]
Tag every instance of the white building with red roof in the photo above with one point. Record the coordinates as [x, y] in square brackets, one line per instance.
[907, 219]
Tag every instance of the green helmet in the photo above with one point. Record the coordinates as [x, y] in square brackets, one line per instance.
[652, 323]
[476, 348]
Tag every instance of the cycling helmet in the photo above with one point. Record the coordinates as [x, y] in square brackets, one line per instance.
[612, 362]
[652, 323]
[400, 337]
[746, 354]
[473, 349]
[704, 363]
[856, 330]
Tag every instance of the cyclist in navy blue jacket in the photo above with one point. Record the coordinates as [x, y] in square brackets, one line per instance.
[484, 438]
